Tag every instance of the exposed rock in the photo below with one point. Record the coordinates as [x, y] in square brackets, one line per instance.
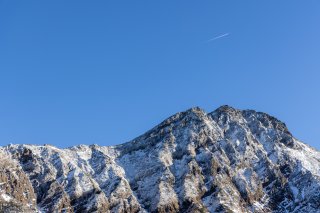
[225, 161]
[16, 191]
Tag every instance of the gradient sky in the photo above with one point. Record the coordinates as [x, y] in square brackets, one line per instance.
[82, 72]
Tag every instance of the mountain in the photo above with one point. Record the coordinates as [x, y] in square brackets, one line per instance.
[224, 161]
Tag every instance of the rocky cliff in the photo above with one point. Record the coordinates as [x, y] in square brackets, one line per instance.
[225, 161]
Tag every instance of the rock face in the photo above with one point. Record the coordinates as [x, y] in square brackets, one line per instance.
[16, 191]
[225, 161]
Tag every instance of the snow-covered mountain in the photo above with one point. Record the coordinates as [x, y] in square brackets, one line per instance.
[225, 161]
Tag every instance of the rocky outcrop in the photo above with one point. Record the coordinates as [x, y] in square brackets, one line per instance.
[225, 161]
[16, 191]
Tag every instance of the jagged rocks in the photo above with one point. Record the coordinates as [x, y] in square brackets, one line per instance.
[16, 191]
[225, 161]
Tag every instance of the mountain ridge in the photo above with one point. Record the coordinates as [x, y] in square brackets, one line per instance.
[228, 160]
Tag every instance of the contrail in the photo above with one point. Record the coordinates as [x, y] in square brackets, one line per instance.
[217, 37]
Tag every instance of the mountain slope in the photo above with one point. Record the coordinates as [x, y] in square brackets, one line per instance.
[225, 161]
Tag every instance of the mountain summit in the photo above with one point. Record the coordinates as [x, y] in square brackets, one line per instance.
[228, 160]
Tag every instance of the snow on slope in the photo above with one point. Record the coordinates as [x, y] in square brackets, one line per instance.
[225, 161]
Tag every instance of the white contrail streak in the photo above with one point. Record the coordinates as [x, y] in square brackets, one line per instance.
[217, 37]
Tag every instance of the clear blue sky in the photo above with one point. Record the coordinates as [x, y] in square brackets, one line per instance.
[82, 72]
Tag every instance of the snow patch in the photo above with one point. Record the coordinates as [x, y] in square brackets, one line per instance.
[6, 197]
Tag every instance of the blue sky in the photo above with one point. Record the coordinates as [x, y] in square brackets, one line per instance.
[83, 72]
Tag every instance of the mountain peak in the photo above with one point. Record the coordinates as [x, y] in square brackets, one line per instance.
[226, 108]
[225, 161]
